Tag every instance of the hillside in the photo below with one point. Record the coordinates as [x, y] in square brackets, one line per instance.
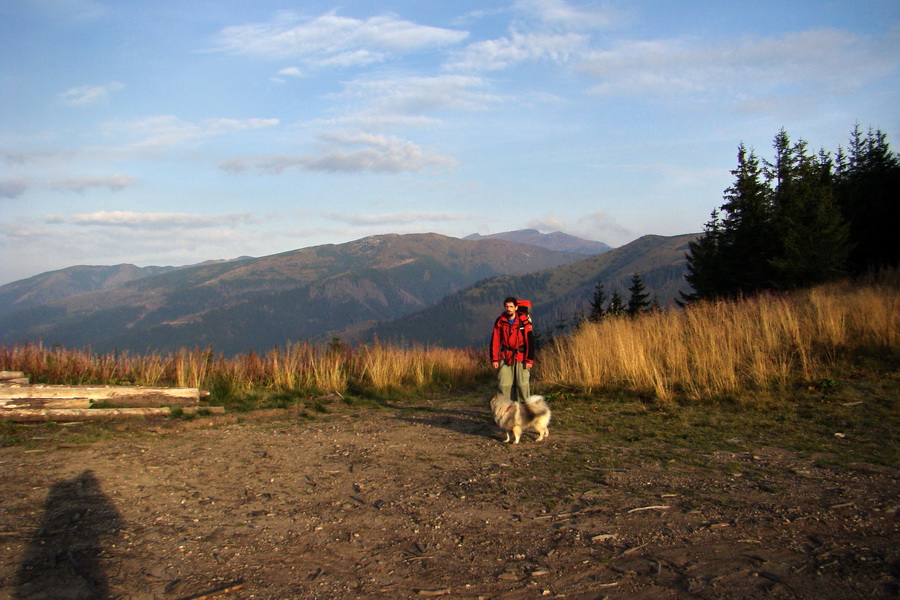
[72, 281]
[560, 295]
[259, 303]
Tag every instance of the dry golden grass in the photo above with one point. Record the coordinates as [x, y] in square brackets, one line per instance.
[745, 349]
[728, 348]
[296, 368]
[385, 367]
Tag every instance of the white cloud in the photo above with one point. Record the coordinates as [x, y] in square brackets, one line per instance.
[138, 220]
[334, 40]
[821, 61]
[13, 187]
[559, 12]
[420, 95]
[80, 184]
[602, 226]
[492, 55]
[166, 131]
[348, 153]
[89, 94]
[547, 224]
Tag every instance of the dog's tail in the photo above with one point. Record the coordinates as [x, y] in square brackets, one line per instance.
[537, 406]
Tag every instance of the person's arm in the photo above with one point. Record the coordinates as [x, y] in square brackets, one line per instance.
[529, 345]
[494, 348]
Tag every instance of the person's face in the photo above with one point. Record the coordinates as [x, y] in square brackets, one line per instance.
[510, 308]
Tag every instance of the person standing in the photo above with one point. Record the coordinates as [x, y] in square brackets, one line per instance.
[512, 350]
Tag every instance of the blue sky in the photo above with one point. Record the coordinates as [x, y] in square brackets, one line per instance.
[176, 131]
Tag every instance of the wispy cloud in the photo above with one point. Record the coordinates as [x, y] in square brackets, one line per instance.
[333, 40]
[599, 225]
[80, 184]
[348, 153]
[502, 53]
[547, 30]
[89, 94]
[602, 225]
[139, 220]
[416, 96]
[403, 218]
[13, 187]
[167, 131]
[561, 13]
[821, 61]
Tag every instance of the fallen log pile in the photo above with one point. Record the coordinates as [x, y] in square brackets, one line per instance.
[21, 401]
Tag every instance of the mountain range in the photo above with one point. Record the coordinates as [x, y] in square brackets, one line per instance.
[393, 286]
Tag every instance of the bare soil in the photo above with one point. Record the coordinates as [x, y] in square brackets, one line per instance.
[422, 499]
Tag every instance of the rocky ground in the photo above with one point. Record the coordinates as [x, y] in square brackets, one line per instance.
[422, 499]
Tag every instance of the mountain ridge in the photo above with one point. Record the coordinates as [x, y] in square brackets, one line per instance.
[268, 301]
[560, 296]
[555, 240]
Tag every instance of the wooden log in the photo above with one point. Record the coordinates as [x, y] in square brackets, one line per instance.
[126, 396]
[16, 403]
[16, 381]
[26, 415]
[11, 374]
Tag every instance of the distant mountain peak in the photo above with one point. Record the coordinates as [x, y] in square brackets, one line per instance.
[556, 240]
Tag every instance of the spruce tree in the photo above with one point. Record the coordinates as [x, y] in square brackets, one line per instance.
[706, 268]
[812, 236]
[781, 225]
[867, 189]
[747, 233]
[616, 307]
[638, 300]
[597, 310]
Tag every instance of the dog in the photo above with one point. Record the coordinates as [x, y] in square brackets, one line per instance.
[516, 417]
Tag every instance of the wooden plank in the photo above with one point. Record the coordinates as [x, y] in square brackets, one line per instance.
[90, 414]
[16, 403]
[11, 375]
[117, 402]
[128, 396]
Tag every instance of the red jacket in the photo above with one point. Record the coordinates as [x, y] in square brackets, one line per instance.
[512, 342]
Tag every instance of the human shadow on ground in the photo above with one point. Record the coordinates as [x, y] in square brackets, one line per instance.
[469, 422]
[64, 559]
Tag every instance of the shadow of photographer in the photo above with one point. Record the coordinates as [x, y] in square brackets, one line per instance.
[64, 559]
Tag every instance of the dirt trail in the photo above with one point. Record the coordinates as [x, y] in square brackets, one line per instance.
[425, 501]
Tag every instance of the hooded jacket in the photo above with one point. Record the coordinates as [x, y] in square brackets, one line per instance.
[512, 342]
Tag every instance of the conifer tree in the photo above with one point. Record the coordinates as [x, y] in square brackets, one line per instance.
[616, 307]
[812, 236]
[780, 225]
[597, 302]
[747, 234]
[706, 269]
[638, 300]
[867, 189]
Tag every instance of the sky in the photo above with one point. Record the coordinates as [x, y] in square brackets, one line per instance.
[177, 131]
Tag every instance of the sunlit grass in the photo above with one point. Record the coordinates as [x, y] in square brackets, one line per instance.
[748, 348]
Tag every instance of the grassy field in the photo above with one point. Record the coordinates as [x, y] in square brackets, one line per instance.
[759, 351]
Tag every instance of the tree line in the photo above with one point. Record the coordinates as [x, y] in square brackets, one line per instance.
[800, 219]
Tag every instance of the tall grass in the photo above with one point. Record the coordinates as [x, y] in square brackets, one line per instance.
[384, 367]
[746, 348]
[302, 368]
[738, 348]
